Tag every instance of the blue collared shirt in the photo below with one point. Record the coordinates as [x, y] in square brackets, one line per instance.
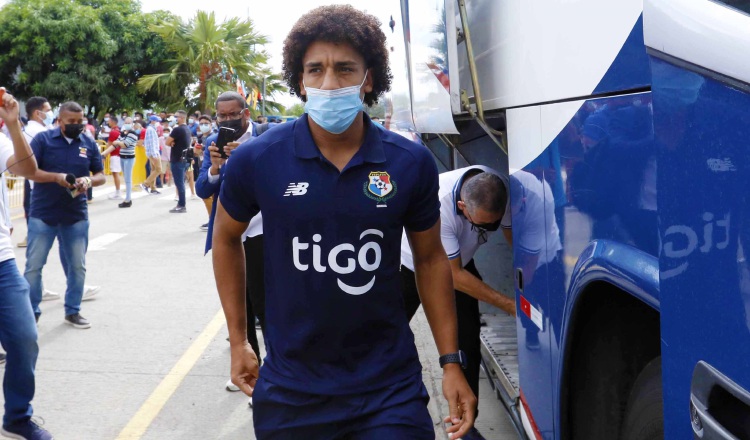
[334, 312]
[51, 202]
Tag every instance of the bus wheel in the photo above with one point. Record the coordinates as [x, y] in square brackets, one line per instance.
[644, 416]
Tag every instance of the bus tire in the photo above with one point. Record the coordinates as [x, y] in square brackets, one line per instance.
[644, 415]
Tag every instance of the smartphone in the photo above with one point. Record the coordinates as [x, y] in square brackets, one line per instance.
[226, 135]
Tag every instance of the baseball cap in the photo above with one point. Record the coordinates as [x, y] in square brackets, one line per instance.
[154, 118]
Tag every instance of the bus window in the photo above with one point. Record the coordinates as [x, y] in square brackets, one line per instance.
[742, 5]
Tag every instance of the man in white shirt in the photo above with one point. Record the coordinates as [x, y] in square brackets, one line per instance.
[18, 333]
[474, 203]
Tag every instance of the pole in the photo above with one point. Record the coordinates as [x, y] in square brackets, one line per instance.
[263, 105]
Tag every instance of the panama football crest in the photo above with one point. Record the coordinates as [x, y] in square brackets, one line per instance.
[380, 187]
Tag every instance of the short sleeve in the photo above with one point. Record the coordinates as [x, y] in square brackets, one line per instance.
[424, 206]
[113, 136]
[95, 159]
[237, 194]
[36, 149]
[449, 237]
[6, 151]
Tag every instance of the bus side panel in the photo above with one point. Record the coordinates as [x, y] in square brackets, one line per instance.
[597, 180]
[703, 131]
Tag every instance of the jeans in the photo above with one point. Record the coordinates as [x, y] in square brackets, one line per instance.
[178, 175]
[18, 335]
[73, 240]
[127, 172]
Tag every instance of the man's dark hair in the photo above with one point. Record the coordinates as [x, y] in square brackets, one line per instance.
[204, 118]
[35, 103]
[72, 107]
[339, 24]
[485, 191]
[231, 96]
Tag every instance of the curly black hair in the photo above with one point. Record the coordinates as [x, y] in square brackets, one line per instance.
[339, 24]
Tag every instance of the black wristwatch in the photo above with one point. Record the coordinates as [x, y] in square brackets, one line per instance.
[454, 358]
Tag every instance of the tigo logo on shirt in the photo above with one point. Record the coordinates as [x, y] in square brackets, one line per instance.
[296, 189]
[368, 249]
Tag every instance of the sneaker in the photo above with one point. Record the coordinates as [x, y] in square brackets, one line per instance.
[231, 387]
[115, 196]
[144, 187]
[77, 321]
[155, 192]
[250, 402]
[26, 430]
[49, 295]
[24, 243]
[204, 227]
[176, 198]
[178, 210]
[89, 292]
[2, 358]
[126, 204]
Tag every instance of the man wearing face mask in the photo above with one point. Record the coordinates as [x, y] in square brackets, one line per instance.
[179, 139]
[151, 142]
[193, 124]
[474, 203]
[40, 116]
[336, 193]
[67, 159]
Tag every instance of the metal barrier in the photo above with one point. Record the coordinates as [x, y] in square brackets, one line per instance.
[15, 191]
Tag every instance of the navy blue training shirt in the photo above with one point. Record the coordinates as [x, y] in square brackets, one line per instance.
[335, 322]
[51, 202]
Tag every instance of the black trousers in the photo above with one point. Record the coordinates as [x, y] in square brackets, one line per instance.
[467, 309]
[255, 290]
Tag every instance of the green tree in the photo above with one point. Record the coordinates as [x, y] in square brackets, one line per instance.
[296, 110]
[90, 51]
[210, 56]
[274, 86]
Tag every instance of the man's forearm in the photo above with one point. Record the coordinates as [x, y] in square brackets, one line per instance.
[435, 286]
[229, 271]
[45, 177]
[466, 282]
[98, 179]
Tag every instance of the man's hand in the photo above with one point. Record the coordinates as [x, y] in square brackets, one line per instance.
[60, 180]
[8, 108]
[83, 184]
[244, 371]
[461, 400]
[216, 160]
[230, 147]
[506, 304]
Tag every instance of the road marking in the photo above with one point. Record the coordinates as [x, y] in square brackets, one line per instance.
[151, 408]
[100, 242]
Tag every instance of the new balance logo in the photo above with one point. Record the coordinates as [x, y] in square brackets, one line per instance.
[296, 189]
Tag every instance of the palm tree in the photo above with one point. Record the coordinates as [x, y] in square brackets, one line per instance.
[211, 57]
[274, 85]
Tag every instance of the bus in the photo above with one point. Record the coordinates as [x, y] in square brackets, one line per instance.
[627, 123]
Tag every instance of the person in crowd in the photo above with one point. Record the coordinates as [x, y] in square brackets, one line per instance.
[18, 333]
[193, 123]
[166, 150]
[105, 128]
[113, 151]
[121, 120]
[342, 362]
[180, 141]
[474, 203]
[205, 129]
[151, 142]
[232, 112]
[90, 130]
[126, 144]
[40, 116]
[66, 159]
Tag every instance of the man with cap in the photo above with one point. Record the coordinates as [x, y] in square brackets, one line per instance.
[151, 142]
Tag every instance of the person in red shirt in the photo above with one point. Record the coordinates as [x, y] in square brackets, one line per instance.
[114, 157]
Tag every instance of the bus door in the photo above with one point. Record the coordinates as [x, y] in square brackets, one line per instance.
[700, 65]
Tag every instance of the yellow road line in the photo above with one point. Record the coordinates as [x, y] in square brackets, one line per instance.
[140, 422]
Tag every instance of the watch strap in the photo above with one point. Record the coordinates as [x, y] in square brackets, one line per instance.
[453, 358]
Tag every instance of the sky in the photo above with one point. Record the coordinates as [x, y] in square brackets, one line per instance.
[274, 19]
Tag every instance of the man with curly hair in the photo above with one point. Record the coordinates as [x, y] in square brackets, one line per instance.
[336, 193]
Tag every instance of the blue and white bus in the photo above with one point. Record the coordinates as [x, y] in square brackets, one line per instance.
[630, 120]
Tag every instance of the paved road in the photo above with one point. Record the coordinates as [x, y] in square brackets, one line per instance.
[154, 363]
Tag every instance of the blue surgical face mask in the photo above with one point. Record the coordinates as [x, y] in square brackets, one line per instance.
[334, 110]
[49, 117]
[205, 128]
